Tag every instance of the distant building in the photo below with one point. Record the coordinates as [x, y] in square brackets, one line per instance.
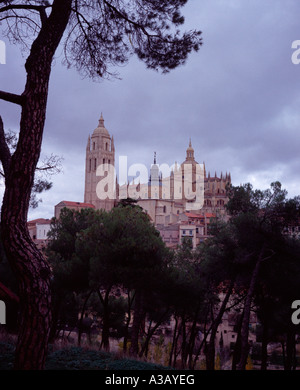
[71, 205]
[100, 152]
[165, 199]
[38, 230]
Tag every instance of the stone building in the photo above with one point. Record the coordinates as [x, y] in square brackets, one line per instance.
[100, 158]
[166, 197]
[38, 231]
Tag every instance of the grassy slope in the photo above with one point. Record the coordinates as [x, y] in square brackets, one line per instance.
[76, 358]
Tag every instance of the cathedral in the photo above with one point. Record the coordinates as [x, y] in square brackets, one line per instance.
[165, 199]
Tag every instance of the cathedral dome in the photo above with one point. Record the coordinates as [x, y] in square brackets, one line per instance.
[101, 130]
[190, 159]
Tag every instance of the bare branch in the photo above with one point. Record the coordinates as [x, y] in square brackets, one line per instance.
[40, 8]
[135, 24]
[51, 165]
[12, 98]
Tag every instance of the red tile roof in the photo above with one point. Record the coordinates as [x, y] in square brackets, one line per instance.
[69, 203]
[207, 215]
[191, 215]
[39, 220]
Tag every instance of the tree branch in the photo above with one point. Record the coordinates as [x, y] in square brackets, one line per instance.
[40, 8]
[12, 98]
[135, 24]
[5, 155]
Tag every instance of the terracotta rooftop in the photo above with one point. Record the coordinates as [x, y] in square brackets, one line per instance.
[191, 215]
[81, 204]
[38, 220]
[207, 215]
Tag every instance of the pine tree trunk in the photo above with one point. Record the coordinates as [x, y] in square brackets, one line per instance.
[137, 321]
[106, 321]
[246, 316]
[264, 346]
[31, 269]
[210, 356]
[129, 306]
[80, 322]
[290, 350]
[237, 348]
[173, 340]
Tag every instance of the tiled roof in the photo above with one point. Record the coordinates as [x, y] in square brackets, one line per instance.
[191, 215]
[39, 220]
[81, 204]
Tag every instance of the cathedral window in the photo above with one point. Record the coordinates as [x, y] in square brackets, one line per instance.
[90, 165]
[94, 145]
[106, 146]
[95, 164]
[165, 209]
[103, 161]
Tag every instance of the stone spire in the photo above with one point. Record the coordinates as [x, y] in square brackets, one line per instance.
[101, 121]
[112, 144]
[190, 152]
[154, 171]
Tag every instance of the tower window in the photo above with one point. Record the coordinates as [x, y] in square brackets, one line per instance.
[94, 145]
[104, 161]
[95, 163]
[165, 209]
[90, 165]
[106, 146]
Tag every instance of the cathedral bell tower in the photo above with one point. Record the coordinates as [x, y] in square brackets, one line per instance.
[100, 150]
[189, 166]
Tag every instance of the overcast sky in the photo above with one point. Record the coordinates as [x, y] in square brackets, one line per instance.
[238, 99]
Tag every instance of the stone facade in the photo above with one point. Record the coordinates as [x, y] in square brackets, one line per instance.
[38, 231]
[162, 197]
[100, 158]
[166, 198]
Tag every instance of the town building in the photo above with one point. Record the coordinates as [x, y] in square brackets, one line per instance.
[38, 231]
